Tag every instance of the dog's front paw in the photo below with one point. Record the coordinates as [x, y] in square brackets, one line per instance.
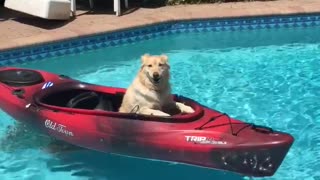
[187, 109]
[162, 114]
[159, 113]
[184, 108]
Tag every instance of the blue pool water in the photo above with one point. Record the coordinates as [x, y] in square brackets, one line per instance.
[269, 77]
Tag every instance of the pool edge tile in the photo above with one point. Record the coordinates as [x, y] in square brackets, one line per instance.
[74, 43]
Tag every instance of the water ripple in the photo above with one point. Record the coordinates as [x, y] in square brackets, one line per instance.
[273, 85]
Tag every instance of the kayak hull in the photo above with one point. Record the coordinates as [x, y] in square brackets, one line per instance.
[86, 115]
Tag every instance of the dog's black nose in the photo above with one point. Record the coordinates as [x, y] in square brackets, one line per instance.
[156, 75]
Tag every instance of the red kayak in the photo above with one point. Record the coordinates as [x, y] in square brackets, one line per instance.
[86, 115]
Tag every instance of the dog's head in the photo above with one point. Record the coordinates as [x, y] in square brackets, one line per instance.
[156, 68]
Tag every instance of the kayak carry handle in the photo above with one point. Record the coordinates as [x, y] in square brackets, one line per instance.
[19, 93]
[32, 106]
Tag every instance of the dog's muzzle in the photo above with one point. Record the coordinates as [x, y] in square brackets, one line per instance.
[155, 79]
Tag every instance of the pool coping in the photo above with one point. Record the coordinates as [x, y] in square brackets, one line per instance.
[172, 14]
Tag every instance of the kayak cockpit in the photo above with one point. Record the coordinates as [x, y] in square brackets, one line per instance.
[84, 98]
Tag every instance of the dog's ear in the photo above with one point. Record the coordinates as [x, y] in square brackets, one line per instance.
[164, 58]
[144, 58]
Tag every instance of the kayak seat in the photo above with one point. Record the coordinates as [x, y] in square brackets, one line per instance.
[90, 100]
[105, 104]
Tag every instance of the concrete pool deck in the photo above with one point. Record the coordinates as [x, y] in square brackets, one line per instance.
[17, 29]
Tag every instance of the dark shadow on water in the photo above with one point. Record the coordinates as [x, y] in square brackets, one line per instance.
[97, 165]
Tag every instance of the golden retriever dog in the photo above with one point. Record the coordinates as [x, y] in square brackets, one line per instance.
[150, 91]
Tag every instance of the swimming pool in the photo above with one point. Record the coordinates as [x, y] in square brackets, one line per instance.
[262, 70]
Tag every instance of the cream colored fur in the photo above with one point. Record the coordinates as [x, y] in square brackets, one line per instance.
[148, 96]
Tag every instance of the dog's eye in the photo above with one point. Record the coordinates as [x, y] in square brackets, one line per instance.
[150, 65]
[160, 64]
